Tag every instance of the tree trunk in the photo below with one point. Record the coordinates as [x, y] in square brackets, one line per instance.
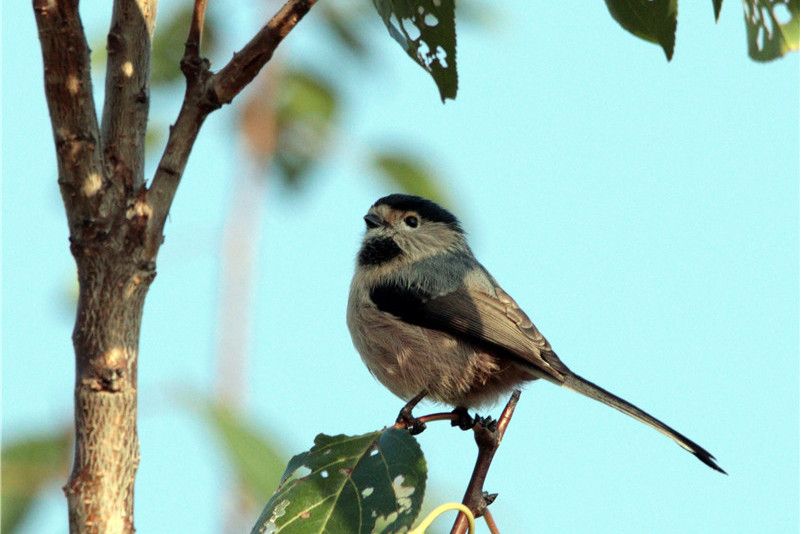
[106, 340]
[116, 222]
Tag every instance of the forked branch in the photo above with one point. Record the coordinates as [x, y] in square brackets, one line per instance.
[116, 223]
[206, 92]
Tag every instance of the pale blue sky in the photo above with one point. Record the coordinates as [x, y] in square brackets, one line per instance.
[644, 214]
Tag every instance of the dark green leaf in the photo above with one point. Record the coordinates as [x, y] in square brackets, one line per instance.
[356, 484]
[306, 109]
[258, 462]
[652, 20]
[168, 43]
[772, 28]
[716, 5]
[28, 465]
[426, 29]
[410, 174]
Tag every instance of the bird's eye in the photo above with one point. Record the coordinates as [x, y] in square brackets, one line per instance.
[411, 221]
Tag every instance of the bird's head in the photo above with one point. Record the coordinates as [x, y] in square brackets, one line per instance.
[408, 228]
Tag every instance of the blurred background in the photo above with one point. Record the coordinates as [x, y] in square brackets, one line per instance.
[644, 213]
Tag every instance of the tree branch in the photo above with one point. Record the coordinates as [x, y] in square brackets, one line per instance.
[488, 441]
[247, 63]
[68, 88]
[493, 528]
[206, 92]
[127, 100]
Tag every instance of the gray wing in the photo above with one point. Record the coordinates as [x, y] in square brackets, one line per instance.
[476, 315]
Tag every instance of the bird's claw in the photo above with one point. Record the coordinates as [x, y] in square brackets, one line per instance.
[408, 421]
[463, 419]
[486, 431]
[487, 423]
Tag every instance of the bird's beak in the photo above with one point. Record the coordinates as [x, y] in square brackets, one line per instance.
[373, 220]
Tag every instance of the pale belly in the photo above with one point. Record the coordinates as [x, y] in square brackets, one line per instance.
[408, 359]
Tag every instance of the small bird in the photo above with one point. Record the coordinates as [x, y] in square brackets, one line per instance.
[430, 321]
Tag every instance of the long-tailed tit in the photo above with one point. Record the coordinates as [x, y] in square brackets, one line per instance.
[429, 320]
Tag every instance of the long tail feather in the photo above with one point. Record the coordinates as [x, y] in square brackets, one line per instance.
[585, 387]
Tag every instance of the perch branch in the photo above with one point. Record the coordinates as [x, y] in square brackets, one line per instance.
[206, 92]
[488, 441]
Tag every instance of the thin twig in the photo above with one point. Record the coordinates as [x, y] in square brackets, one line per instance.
[506, 415]
[488, 442]
[195, 37]
[493, 528]
[439, 416]
[246, 63]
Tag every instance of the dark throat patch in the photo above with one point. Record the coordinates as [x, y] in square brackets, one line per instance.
[378, 250]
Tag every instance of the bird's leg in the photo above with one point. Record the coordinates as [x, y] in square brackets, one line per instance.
[462, 419]
[407, 420]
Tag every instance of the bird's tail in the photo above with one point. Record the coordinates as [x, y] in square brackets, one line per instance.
[585, 387]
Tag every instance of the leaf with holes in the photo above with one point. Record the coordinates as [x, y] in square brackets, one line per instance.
[426, 29]
[410, 174]
[652, 20]
[771, 27]
[369, 483]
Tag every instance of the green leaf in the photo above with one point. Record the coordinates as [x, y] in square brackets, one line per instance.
[408, 173]
[257, 461]
[652, 20]
[306, 109]
[426, 30]
[716, 5]
[357, 484]
[28, 465]
[771, 28]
